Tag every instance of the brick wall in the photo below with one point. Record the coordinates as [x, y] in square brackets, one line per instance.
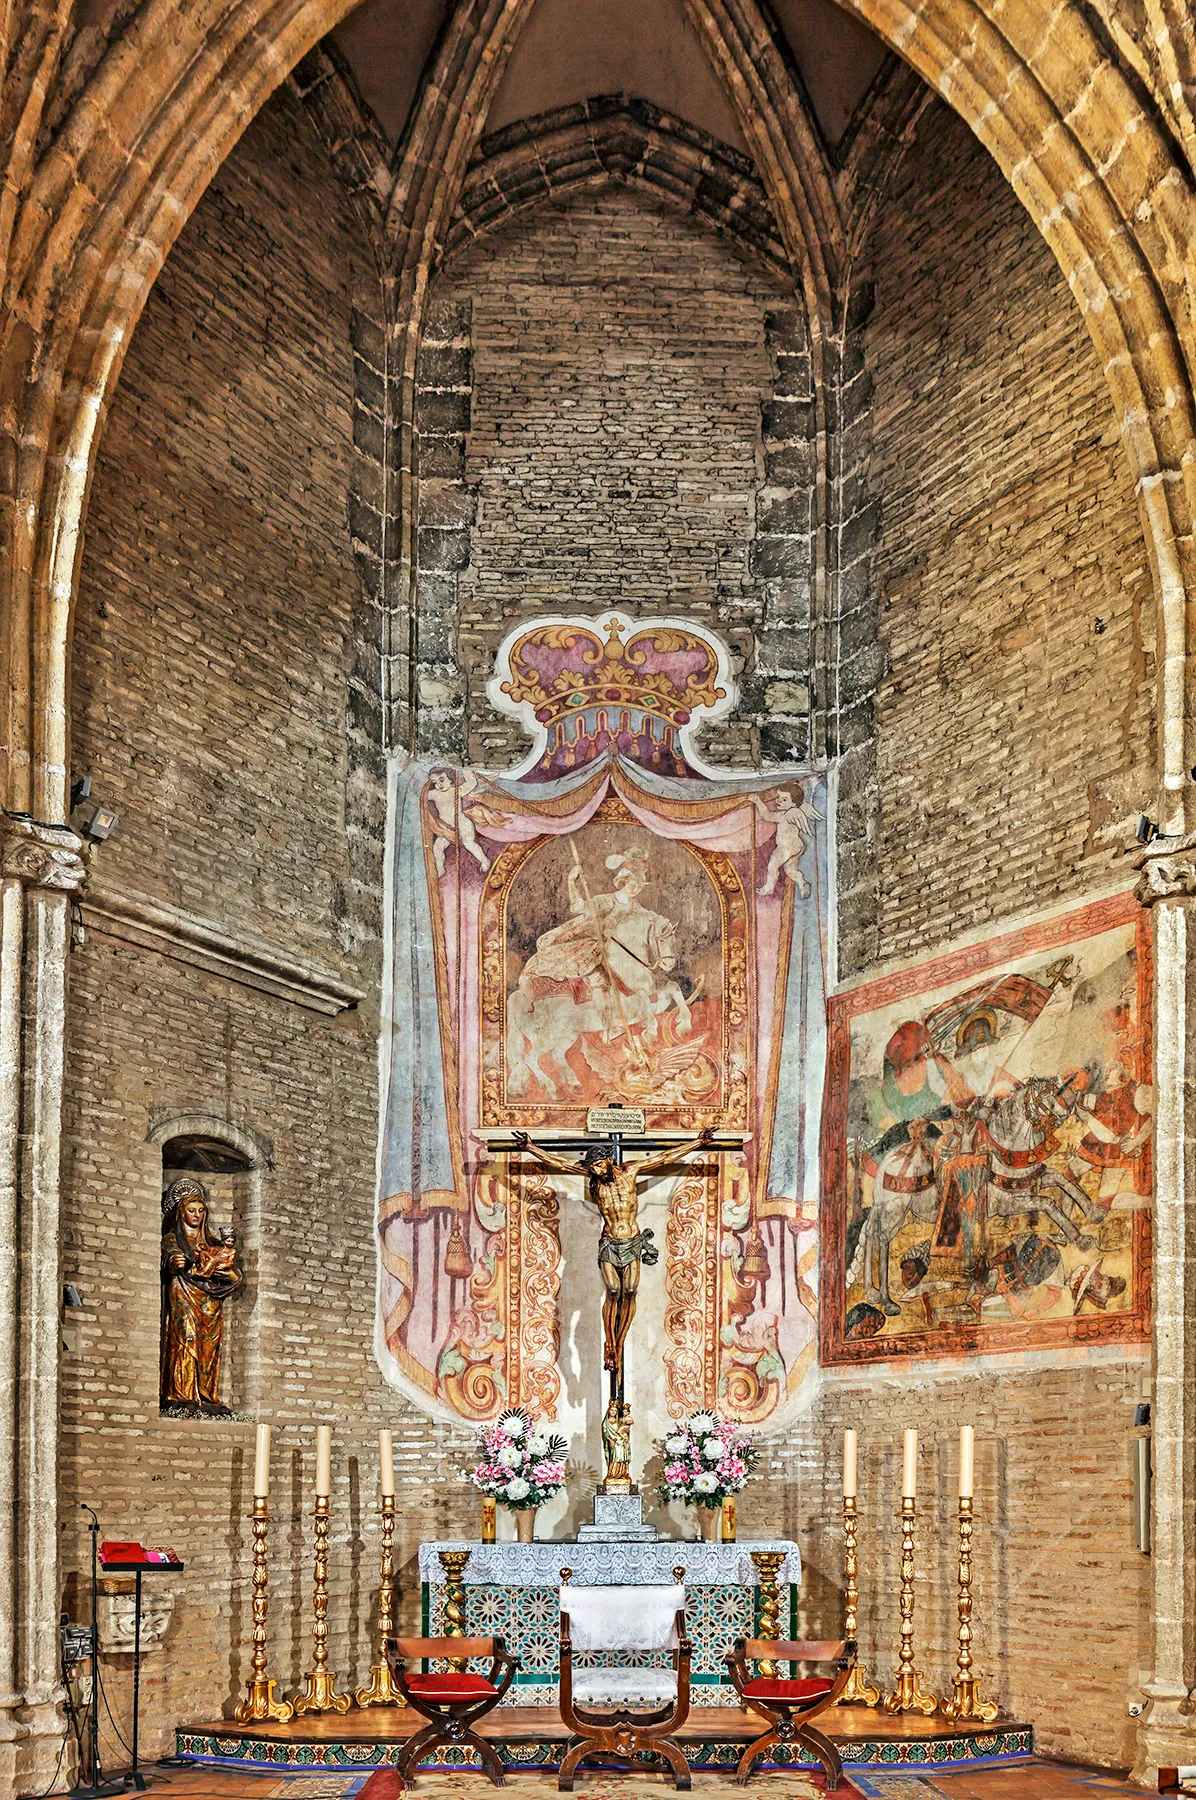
[1061, 1615]
[1008, 734]
[1013, 723]
[621, 362]
[219, 641]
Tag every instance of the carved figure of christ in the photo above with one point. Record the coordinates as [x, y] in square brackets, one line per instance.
[612, 1188]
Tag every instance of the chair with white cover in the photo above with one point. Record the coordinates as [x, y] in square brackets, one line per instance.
[624, 1713]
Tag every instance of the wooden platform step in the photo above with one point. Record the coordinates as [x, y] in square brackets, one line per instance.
[532, 1737]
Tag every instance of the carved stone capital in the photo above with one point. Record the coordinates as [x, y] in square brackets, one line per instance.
[1167, 868]
[45, 856]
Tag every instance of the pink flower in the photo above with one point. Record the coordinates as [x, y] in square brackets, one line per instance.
[676, 1474]
[731, 1468]
[548, 1474]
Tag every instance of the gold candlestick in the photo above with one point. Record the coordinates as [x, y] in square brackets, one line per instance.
[768, 1564]
[453, 1563]
[260, 1701]
[907, 1696]
[319, 1694]
[859, 1690]
[963, 1702]
[382, 1690]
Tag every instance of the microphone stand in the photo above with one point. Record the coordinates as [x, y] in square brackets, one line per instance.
[97, 1786]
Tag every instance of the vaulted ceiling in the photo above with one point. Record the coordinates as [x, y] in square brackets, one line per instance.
[570, 50]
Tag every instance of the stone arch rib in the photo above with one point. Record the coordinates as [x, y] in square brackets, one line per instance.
[621, 139]
[103, 208]
[128, 164]
[1095, 174]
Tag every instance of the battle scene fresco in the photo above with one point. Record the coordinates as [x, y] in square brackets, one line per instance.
[612, 922]
[987, 1144]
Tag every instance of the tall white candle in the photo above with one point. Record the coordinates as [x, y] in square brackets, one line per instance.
[909, 1466]
[967, 1461]
[386, 1465]
[261, 1464]
[849, 1465]
[323, 1461]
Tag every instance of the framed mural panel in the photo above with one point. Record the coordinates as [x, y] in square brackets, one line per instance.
[986, 1146]
[612, 921]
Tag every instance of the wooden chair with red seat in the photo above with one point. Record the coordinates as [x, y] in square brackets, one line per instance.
[452, 1701]
[791, 1706]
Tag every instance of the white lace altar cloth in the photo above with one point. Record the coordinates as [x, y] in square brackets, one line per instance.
[611, 1564]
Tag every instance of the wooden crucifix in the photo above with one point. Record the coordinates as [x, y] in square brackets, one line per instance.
[613, 1189]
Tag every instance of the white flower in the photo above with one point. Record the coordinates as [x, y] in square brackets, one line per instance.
[676, 1446]
[519, 1489]
[512, 1425]
[511, 1457]
[705, 1483]
[712, 1450]
[701, 1423]
[537, 1445]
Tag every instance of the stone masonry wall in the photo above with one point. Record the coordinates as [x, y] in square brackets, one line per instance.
[1061, 1599]
[1009, 741]
[622, 358]
[221, 638]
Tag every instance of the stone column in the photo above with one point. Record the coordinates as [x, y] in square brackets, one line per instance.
[1167, 1734]
[41, 867]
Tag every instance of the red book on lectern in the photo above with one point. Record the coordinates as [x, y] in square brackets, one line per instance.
[121, 1553]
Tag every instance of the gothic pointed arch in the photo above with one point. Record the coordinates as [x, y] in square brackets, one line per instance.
[101, 207]
[615, 139]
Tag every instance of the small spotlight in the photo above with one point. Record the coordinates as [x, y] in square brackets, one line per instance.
[80, 791]
[1147, 829]
[102, 823]
[71, 1297]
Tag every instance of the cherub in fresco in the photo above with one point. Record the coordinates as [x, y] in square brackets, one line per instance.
[794, 818]
[451, 820]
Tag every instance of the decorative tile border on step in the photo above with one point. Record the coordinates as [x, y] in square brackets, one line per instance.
[963, 1751]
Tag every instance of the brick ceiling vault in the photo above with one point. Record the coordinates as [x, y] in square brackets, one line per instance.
[103, 170]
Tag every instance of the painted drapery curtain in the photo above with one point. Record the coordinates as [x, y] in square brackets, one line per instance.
[611, 922]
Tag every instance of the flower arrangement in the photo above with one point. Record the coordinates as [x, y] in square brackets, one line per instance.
[705, 1459]
[519, 1463]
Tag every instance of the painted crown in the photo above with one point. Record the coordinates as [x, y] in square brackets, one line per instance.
[563, 670]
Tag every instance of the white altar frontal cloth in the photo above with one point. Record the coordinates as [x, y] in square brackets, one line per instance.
[610, 1564]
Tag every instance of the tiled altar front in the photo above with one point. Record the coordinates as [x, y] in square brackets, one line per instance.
[511, 1591]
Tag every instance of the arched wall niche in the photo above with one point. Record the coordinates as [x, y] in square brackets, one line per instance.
[612, 224]
[229, 1162]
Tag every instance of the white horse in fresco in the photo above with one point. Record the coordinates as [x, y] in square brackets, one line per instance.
[1012, 1133]
[1019, 1178]
[640, 953]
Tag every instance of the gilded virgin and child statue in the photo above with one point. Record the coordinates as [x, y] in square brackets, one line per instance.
[199, 1273]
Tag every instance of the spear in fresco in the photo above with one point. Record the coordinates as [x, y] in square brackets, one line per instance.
[635, 1049]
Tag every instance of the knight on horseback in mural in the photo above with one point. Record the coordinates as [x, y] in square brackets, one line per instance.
[986, 1163]
[607, 970]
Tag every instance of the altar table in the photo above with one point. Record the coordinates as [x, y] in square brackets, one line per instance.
[511, 1592]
